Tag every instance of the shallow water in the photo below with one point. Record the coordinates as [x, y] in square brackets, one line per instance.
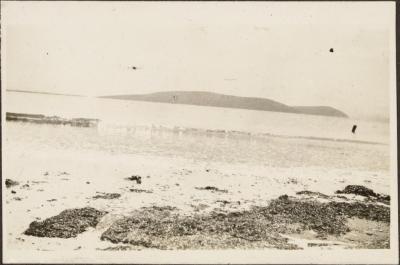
[115, 115]
[198, 145]
[198, 133]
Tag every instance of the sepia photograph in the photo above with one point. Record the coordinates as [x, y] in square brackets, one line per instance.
[199, 132]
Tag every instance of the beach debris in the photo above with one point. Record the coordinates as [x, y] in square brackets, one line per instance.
[317, 244]
[87, 182]
[224, 202]
[17, 198]
[11, 183]
[46, 173]
[140, 191]
[164, 228]
[291, 181]
[366, 192]
[136, 178]
[69, 223]
[25, 186]
[63, 173]
[107, 196]
[52, 200]
[39, 181]
[357, 190]
[211, 188]
[283, 197]
[320, 215]
[312, 194]
[13, 192]
[165, 208]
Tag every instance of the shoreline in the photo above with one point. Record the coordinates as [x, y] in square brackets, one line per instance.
[90, 122]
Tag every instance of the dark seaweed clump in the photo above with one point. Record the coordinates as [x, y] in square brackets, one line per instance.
[360, 210]
[366, 192]
[136, 178]
[107, 196]
[10, 183]
[312, 193]
[211, 188]
[324, 218]
[310, 215]
[140, 191]
[258, 227]
[357, 190]
[69, 223]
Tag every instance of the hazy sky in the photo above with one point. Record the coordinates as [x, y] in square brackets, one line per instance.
[273, 50]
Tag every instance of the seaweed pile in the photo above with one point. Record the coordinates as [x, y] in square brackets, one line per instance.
[260, 227]
[69, 223]
[107, 196]
[10, 183]
[211, 188]
[366, 192]
[165, 227]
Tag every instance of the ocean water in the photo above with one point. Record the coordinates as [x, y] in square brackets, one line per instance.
[120, 116]
[197, 133]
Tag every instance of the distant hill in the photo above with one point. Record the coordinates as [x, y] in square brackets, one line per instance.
[200, 98]
[42, 92]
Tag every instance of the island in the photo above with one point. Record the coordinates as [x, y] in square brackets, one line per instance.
[202, 98]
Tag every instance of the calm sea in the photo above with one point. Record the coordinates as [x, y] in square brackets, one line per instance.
[120, 115]
[197, 133]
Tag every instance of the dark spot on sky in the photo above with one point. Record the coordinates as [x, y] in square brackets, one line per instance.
[331, 49]
[47, 53]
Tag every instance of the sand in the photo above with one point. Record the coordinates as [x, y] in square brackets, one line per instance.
[67, 179]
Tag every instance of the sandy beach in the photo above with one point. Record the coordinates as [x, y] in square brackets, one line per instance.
[185, 185]
[202, 132]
